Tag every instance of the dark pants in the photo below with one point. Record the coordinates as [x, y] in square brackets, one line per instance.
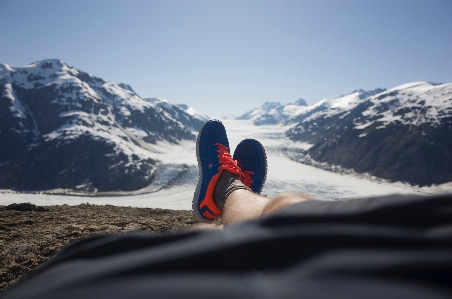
[388, 247]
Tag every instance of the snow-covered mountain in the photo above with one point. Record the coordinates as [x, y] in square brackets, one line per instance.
[271, 113]
[64, 128]
[404, 133]
[188, 116]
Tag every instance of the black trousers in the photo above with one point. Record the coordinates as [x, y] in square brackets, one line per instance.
[387, 247]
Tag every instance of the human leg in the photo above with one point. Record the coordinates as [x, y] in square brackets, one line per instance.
[237, 202]
[242, 205]
[232, 184]
[212, 151]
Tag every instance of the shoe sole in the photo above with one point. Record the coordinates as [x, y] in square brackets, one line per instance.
[265, 162]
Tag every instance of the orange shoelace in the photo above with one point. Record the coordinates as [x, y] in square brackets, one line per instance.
[233, 166]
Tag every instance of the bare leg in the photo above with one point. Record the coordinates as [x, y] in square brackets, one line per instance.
[244, 205]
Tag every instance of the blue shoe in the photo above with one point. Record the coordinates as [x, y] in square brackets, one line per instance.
[212, 151]
[251, 158]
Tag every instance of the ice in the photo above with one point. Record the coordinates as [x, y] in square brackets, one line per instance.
[177, 173]
[286, 175]
[177, 176]
[174, 198]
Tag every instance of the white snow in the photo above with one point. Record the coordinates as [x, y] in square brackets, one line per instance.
[267, 107]
[72, 92]
[415, 103]
[137, 132]
[16, 108]
[40, 75]
[284, 175]
[196, 114]
[345, 102]
[5, 69]
[178, 162]
[292, 111]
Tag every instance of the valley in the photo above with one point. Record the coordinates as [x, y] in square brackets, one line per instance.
[68, 137]
[177, 174]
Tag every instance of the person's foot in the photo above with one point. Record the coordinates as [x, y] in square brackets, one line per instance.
[212, 151]
[251, 157]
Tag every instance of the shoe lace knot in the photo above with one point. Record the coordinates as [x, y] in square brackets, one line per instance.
[228, 163]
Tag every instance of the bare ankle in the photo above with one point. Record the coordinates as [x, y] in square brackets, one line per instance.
[243, 205]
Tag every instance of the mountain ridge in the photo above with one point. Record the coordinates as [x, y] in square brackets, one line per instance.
[63, 128]
[271, 113]
[400, 134]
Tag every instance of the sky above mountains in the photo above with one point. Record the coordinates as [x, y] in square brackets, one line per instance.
[227, 57]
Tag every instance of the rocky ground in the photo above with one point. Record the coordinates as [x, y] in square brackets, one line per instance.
[29, 235]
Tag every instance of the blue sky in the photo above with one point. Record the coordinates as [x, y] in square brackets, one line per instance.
[226, 57]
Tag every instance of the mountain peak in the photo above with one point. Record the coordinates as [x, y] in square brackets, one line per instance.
[127, 87]
[83, 129]
[365, 94]
[49, 64]
[301, 102]
[154, 101]
[362, 94]
[267, 106]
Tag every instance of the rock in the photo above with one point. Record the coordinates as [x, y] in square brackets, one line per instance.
[28, 239]
[26, 206]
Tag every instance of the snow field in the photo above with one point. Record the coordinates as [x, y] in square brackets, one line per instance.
[176, 180]
[286, 175]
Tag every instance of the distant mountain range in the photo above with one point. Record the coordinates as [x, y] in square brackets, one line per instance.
[64, 128]
[404, 133]
[271, 113]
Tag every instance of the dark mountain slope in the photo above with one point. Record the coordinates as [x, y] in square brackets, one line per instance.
[63, 128]
[401, 134]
